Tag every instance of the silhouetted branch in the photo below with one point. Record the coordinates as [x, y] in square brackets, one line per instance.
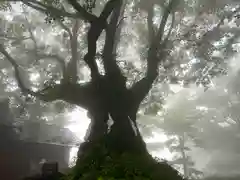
[39, 6]
[96, 28]
[141, 88]
[40, 94]
[39, 55]
[120, 21]
[166, 13]
[151, 33]
[85, 15]
[119, 26]
[164, 42]
[81, 95]
[111, 41]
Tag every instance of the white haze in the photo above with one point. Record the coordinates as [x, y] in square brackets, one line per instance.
[189, 100]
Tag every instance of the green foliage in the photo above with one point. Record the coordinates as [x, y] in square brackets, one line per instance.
[102, 164]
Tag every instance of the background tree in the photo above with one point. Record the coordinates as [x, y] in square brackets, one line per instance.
[210, 120]
[179, 120]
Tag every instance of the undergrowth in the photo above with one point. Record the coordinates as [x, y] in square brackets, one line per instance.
[100, 164]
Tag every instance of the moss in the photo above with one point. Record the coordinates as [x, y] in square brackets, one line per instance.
[99, 164]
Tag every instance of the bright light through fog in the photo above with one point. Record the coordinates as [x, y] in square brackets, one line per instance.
[157, 137]
[163, 153]
[175, 88]
[34, 77]
[78, 122]
[72, 156]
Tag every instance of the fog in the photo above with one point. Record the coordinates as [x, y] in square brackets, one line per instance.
[195, 127]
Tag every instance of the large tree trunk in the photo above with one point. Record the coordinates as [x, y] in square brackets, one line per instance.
[114, 104]
[121, 137]
[114, 142]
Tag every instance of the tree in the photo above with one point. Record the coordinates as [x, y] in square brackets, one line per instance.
[180, 146]
[210, 119]
[179, 123]
[221, 125]
[108, 95]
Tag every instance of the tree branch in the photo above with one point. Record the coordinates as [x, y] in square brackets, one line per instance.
[81, 11]
[47, 9]
[110, 47]
[164, 42]
[151, 33]
[164, 19]
[65, 28]
[40, 94]
[141, 88]
[39, 6]
[31, 36]
[119, 25]
[39, 56]
[96, 28]
[79, 94]
[82, 95]
[72, 65]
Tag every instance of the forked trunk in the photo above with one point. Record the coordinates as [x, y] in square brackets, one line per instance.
[118, 133]
[124, 136]
[106, 147]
